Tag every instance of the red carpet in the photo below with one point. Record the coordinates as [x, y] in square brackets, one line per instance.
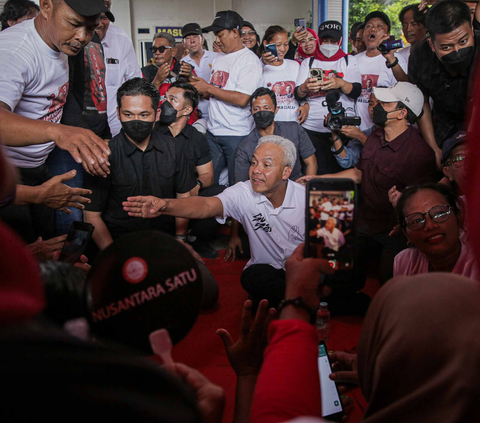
[203, 350]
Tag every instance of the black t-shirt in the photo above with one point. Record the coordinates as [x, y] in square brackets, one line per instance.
[449, 93]
[161, 170]
[191, 143]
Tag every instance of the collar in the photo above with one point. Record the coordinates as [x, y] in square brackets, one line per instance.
[129, 147]
[288, 201]
[165, 130]
[396, 143]
[106, 40]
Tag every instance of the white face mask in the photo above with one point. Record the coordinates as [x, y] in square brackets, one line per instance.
[329, 50]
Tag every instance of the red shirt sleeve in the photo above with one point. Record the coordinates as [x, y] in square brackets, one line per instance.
[288, 385]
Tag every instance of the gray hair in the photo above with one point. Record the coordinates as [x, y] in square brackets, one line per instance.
[334, 220]
[289, 149]
[167, 36]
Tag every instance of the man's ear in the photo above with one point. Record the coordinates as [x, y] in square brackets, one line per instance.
[447, 172]
[174, 51]
[118, 113]
[430, 43]
[277, 109]
[46, 8]
[287, 171]
[157, 115]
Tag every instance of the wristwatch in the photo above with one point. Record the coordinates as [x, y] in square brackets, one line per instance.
[392, 65]
[200, 183]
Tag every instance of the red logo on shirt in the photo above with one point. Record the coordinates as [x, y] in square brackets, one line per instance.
[55, 109]
[368, 82]
[284, 91]
[219, 79]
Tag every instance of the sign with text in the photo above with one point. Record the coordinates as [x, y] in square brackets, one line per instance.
[176, 31]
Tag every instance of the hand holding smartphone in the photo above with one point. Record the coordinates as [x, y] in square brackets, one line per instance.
[76, 242]
[300, 23]
[330, 221]
[272, 48]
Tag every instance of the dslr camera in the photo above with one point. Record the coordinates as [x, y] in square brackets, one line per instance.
[337, 117]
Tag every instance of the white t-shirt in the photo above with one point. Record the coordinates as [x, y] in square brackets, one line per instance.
[336, 210]
[333, 240]
[326, 208]
[121, 65]
[273, 233]
[240, 71]
[318, 111]
[281, 80]
[204, 71]
[374, 74]
[33, 83]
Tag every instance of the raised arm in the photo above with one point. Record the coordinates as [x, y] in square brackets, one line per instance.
[189, 208]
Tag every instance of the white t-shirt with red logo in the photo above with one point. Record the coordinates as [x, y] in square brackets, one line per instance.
[374, 73]
[240, 71]
[33, 83]
[281, 80]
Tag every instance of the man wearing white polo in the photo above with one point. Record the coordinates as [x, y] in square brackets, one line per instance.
[270, 207]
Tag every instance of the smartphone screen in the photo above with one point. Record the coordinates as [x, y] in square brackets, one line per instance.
[76, 242]
[301, 22]
[330, 221]
[331, 403]
[272, 48]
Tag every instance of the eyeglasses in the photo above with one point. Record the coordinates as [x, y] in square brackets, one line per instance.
[457, 161]
[438, 214]
[161, 49]
[308, 40]
[245, 33]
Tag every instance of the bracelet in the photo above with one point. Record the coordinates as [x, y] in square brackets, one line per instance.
[200, 183]
[337, 152]
[390, 66]
[181, 237]
[300, 91]
[298, 302]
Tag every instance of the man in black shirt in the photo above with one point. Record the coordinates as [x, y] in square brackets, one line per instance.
[441, 66]
[181, 100]
[141, 162]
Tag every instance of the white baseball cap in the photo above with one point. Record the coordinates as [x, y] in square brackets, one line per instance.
[407, 93]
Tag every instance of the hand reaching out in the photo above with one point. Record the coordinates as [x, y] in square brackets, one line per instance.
[144, 206]
[246, 355]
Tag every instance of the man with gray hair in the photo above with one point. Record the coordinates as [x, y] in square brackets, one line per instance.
[270, 207]
[165, 69]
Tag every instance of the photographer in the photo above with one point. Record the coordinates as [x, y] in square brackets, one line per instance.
[336, 71]
[347, 152]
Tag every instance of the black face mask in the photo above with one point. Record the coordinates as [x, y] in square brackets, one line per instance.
[458, 61]
[380, 115]
[137, 130]
[264, 118]
[168, 114]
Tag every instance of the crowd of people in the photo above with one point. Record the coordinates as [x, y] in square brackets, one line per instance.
[197, 139]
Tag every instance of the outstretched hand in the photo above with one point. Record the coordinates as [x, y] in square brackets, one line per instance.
[144, 206]
[246, 355]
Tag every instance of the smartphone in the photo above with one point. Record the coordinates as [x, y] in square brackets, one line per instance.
[332, 408]
[76, 242]
[301, 22]
[390, 44]
[272, 48]
[317, 73]
[331, 208]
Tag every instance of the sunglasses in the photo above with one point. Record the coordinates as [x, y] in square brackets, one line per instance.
[438, 214]
[161, 49]
[457, 161]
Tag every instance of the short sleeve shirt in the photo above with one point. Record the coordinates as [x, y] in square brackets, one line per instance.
[191, 143]
[374, 73]
[449, 93]
[401, 162]
[240, 71]
[291, 131]
[33, 83]
[346, 65]
[281, 80]
[161, 170]
[273, 233]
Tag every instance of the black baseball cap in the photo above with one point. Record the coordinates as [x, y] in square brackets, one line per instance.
[90, 8]
[332, 29]
[246, 23]
[459, 138]
[354, 29]
[226, 19]
[381, 15]
[191, 29]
